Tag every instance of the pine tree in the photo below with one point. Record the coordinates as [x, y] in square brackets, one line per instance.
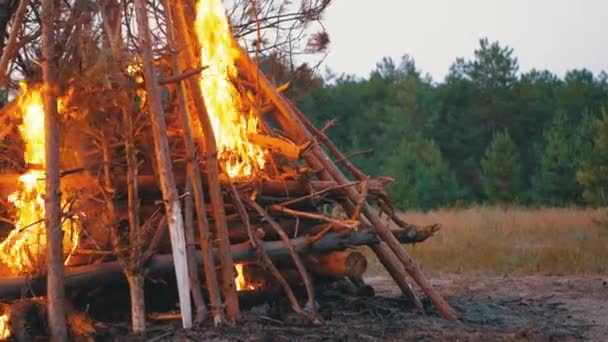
[593, 173]
[423, 179]
[556, 184]
[501, 169]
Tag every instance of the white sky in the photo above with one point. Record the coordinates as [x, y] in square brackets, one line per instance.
[546, 34]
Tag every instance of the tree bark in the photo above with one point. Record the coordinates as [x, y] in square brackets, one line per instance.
[52, 203]
[213, 182]
[164, 164]
[136, 292]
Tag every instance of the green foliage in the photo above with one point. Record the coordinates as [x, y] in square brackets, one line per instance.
[438, 139]
[556, 181]
[423, 180]
[593, 174]
[501, 170]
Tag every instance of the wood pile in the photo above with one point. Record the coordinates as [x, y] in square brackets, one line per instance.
[170, 208]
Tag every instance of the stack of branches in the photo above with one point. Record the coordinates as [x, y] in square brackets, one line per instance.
[139, 153]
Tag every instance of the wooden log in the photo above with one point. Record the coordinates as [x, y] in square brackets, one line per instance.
[90, 276]
[148, 184]
[295, 228]
[337, 264]
[286, 148]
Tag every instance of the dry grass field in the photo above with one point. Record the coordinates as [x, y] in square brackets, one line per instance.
[515, 241]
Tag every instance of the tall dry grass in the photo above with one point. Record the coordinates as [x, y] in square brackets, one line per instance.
[515, 240]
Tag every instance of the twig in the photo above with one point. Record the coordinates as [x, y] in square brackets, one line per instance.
[315, 194]
[356, 215]
[243, 213]
[354, 154]
[348, 224]
[295, 306]
[182, 76]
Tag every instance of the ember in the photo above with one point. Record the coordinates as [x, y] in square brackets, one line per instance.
[240, 280]
[5, 331]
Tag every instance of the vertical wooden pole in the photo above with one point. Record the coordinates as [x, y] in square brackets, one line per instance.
[194, 177]
[215, 191]
[52, 202]
[133, 265]
[195, 281]
[163, 159]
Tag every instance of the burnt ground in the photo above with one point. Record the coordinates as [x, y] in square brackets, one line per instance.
[529, 308]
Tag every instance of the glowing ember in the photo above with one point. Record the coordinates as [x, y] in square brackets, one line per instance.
[240, 278]
[240, 281]
[238, 157]
[5, 331]
[22, 249]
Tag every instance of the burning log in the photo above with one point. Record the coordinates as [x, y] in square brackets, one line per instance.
[337, 264]
[159, 265]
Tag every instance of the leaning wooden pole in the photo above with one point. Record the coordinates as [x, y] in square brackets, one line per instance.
[163, 159]
[213, 182]
[329, 171]
[52, 201]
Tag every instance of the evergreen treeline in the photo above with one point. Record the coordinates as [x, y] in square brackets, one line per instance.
[487, 133]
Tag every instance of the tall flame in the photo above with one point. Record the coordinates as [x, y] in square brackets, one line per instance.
[238, 157]
[22, 249]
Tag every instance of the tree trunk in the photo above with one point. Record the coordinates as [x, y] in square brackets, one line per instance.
[138, 305]
[52, 203]
[164, 164]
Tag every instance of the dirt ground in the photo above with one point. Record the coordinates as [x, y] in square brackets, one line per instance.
[529, 308]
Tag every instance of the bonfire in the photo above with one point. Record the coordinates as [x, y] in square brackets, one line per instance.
[191, 167]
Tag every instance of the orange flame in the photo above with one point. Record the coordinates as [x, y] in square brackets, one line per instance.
[5, 331]
[238, 157]
[240, 280]
[22, 249]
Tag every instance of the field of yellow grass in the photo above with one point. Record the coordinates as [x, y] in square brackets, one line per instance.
[514, 241]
